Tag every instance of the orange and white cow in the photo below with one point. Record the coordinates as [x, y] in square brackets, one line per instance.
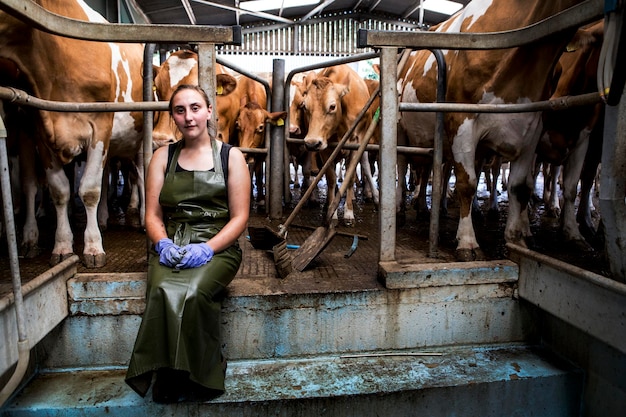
[516, 75]
[63, 69]
[250, 121]
[181, 67]
[417, 130]
[332, 103]
[568, 134]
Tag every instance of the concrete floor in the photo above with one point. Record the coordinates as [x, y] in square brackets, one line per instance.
[331, 270]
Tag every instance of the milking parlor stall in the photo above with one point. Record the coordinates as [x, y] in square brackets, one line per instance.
[438, 214]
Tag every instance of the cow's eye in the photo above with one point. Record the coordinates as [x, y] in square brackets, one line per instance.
[261, 128]
[332, 108]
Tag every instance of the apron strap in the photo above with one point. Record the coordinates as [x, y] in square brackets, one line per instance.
[216, 147]
[217, 157]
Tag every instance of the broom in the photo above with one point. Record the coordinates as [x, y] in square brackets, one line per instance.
[321, 237]
[264, 237]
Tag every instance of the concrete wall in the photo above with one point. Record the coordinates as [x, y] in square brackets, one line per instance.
[105, 315]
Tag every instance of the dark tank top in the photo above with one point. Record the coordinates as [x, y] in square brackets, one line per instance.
[223, 155]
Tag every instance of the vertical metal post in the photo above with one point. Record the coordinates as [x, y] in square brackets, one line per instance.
[148, 95]
[438, 186]
[277, 144]
[206, 74]
[20, 314]
[612, 199]
[148, 125]
[388, 152]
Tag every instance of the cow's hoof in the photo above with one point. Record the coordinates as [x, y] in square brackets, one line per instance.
[30, 251]
[132, 218]
[94, 261]
[57, 258]
[469, 255]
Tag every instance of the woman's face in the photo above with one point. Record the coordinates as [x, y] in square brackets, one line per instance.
[190, 113]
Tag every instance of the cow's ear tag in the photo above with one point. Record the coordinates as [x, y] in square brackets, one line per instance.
[280, 122]
[220, 90]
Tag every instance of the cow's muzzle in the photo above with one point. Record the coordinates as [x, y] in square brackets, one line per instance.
[314, 145]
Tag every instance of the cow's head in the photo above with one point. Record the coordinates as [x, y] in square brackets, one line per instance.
[227, 106]
[251, 123]
[323, 109]
[298, 124]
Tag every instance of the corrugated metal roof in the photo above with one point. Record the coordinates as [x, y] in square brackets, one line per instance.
[227, 12]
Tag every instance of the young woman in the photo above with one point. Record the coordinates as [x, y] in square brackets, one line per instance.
[197, 206]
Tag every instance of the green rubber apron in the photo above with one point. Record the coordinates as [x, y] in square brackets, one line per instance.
[180, 328]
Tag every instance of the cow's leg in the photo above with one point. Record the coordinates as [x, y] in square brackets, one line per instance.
[306, 170]
[445, 187]
[466, 183]
[350, 179]
[370, 184]
[135, 213]
[476, 210]
[401, 189]
[551, 173]
[521, 185]
[260, 185]
[537, 167]
[331, 184]
[419, 203]
[571, 175]
[108, 173]
[493, 186]
[348, 210]
[90, 194]
[587, 178]
[505, 175]
[59, 187]
[314, 170]
[29, 247]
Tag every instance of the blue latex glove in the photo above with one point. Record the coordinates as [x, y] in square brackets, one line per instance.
[169, 253]
[195, 255]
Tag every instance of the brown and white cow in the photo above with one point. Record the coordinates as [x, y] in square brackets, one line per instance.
[62, 69]
[516, 75]
[332, 103]
[300, 158]
[181, 67]
[250, 121]
[417, 83]
[567, 137]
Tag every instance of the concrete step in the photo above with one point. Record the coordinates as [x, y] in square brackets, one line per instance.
[262, 320]
[497, 380]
